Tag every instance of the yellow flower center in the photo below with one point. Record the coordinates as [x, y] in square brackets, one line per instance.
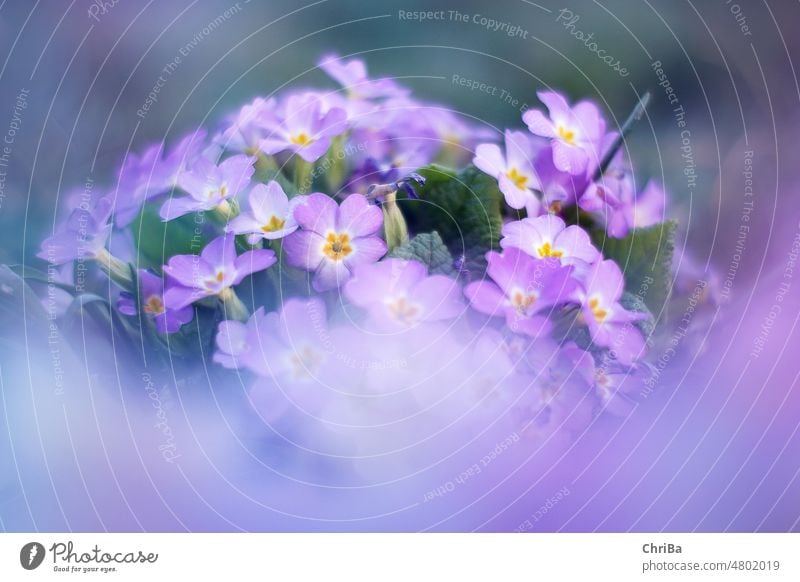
[547, 250]
[337, 246]
[218, 278]
[598, 312]
[566, 135]
[302, 139]
[518, 179]
[154, 305]
[403, 310]
[522, 302]
[274, 224]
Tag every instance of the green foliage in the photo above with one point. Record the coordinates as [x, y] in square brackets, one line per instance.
[464, 208]
[645, 257]
[157, 240]
[427, 248]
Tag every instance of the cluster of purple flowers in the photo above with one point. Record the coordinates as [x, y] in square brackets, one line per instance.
[369, 323]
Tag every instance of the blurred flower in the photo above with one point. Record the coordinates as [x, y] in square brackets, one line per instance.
[209, 185]
[613, 200]
[151, 290]
[271, 214]
[513, 170]
[610, 323]
[245, 132]
[333, 239]
[303, 128]
[291, 345]
[239, 343]
[576, 131]
[82, 236]
[399, 293]
[145, 177]
[213, 272]
[352, 76]
[522, 287]
[547, 236]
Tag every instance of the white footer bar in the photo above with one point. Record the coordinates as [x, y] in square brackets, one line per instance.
[401, 557]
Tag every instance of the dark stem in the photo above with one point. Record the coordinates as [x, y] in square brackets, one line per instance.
[635, 115]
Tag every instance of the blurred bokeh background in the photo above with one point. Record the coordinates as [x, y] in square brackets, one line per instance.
[84, 69]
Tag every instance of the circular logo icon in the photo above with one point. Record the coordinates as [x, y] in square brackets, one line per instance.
[31, 555]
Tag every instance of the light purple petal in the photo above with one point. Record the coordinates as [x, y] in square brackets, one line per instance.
[538, 123]
[317, 213]
[358, 217]
[440, 297]
[176, 207]
[570, 159]
[252, 262]
[489, 158]
[330, 275]
[304, 250]
[365, 250]
[486, 297]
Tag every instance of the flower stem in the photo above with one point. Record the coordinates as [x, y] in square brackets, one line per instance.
[232, 306]
[302, 175]
[117, 271]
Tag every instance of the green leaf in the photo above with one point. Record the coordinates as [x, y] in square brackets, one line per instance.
[429, 249]
[464, 208]
[157, 240]
[645, 258]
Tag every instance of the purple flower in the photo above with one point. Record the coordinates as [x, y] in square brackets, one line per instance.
[614, 384]
[559, 189]
[239, 344]
[548, 236]
[610, 324]
[151, 289]
[399, 293]
[513, 170]
[209, 185]
[563, 400]
[144, 177]
[271, 214]
[215, 270]
[303, 128]
[82, 237]
[334, 239]
[290, 345]
[576, 131]
[245, 132]
[614, 200]
[352, 76]
[521, 288]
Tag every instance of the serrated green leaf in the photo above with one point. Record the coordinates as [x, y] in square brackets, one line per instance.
[645, 258]
[429, 249]
[463, 207]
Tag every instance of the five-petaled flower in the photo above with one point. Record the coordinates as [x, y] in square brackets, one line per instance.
[213, 272]
[333, 239]
[304, 128]
[521, 288]
[151, 293]
[399, 294]
[548, 237]
[513, 170]
[577, 132]
[610, 324]
[271, 214]
[209, 186]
